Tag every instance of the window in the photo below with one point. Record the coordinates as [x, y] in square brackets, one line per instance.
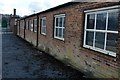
[59, 26]
[35, 25]
[22, 24]
[31, 25]
[26, 24]
[43, 27]
[101, 31]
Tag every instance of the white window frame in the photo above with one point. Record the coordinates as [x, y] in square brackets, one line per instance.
[35, 25]
[94, 30]
[42, 26]
[62, 27]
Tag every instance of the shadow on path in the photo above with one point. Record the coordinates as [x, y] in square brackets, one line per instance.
[19, 61]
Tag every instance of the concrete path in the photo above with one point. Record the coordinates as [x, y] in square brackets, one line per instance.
[19, 61]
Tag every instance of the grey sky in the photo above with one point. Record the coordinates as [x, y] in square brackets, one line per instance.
[96, 0]
[39, 6]
[27, 7]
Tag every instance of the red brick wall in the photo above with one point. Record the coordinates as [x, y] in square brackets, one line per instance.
[31, 36]
[71, 50]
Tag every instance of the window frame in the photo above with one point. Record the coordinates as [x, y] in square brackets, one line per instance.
[104, 51]
[63, 27]
[43, 18]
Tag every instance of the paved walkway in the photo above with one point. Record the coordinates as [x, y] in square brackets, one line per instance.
[19, 61]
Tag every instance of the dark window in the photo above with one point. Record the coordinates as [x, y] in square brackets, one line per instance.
[113, 21]
[101, 21]
[99, 40]
[90, 21]
[89, 38]
[111, 42]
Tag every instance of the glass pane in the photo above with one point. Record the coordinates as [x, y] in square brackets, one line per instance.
[60, 21]
[63, 22]
[44, 22]
[35, 28]
[43, 29]
[90, 21]
[60, 32]
[56, 34]
[101, 21]
[113, 21]
[35, 22]
[99, 40]
[63, 32]
[56, 21]
[89, 38]
[111, 42]
[28, 24]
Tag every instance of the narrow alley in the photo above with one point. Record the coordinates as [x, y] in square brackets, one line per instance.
[21, 60]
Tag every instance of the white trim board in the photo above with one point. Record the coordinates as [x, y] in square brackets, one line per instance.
[105, 8]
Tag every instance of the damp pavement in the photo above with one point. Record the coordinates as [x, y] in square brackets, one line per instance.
[21, 61]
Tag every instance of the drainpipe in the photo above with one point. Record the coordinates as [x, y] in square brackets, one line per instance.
[24, 27]
[37, 30]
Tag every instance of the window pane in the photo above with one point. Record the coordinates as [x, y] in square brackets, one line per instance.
[35, 22]
[90, 21]
[113, 21]
[101, 21]
[89, 38]
[111, 42]
[63, 22]
[60, 32]
[99, 40]
[44, 30]
[56, 21]
[56, 32]
[60, 21]
[63, 33]
[35, 27]
[28, 24]
[44, 22]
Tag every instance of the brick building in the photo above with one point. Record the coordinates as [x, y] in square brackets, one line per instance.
[82, 35]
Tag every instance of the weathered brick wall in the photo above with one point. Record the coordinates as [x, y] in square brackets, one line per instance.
[18, 27]
[21, 33]
[31, 36]
[71, 50]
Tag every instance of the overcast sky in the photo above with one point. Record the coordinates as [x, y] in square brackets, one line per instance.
[27, 7]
